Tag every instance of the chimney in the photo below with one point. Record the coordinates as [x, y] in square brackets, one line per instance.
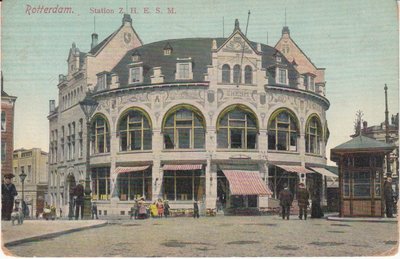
[126, 19]
[95, 38]
[52, 106]
[285, 30]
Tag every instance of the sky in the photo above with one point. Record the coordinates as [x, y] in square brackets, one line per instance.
[356, 41]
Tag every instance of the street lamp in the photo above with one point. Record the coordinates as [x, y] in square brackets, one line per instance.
[88, 106]
[22, 176]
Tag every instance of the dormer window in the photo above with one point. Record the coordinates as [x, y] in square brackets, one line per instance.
[282, 76]
[135, 57]
[135, 75]
[309, 81]
[184, 69]
[102, 81]
[167, 49]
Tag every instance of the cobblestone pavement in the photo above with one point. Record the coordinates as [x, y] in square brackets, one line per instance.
[221, 236]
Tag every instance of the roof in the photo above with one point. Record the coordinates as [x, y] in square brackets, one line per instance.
[362, 143]
[101, 44]
[199, 50]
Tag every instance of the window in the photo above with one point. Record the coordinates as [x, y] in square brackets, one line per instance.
[3, 121]
[248, 75]
[102, 81]
[237, 74]
[136, 75]
[62, 144]
[80, 146]
[361, 184]
[101, 183]
[282, 76]
[226, 73]
[306, 81]
[29, 174]
[313, 136]
[184, 128]
[237, 129]
[346, 184]
[135, 131]
[309, 83]
[184, 185]
[184, 71]
[100, 135]
[134, 185]
[282, 131]
[3, 151]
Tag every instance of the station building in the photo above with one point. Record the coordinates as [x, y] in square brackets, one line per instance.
[223, 121]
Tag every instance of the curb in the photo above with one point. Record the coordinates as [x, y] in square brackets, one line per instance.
[50, 235]
[374, 220]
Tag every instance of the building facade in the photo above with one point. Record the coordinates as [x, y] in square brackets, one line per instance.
[7, 130]
[32, 162]
[224, 121]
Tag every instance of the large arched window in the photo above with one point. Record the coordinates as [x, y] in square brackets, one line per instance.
[248, 75]
[236, 74]
[226, 73]
[134, 130]
[282, 131]
[100, 135]
[313, 135]
[237, 128]
[184, 128]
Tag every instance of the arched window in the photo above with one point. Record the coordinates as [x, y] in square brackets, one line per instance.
[184, 128]
[282, 131]
[313, 135]
[100, 135]
[237, 128]
[226, 73]
[134, 131]
[236, 74]
[248, 75]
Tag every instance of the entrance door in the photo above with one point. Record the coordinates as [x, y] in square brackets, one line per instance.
[222, 190]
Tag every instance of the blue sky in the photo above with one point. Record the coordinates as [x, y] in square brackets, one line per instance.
[356, 41]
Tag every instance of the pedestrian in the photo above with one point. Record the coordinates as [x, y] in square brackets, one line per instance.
[302, 200]
[316, 210]
[160, 208]
[166, 208]
[142, 213]
[135, 209]
[79, 193]
[94, 210]
[60, 213]
[388, 196]
[8, 193]
[153, 210]
[285, 200]
[196, 209]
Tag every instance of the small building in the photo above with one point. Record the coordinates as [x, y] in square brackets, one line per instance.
[361, 176]
[32, 162]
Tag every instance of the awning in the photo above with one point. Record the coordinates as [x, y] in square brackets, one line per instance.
[246, 183]
[182, 167]
[295, 169]
[122, 170]
[324, 172]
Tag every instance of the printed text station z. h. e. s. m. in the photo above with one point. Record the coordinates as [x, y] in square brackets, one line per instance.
[132, 10]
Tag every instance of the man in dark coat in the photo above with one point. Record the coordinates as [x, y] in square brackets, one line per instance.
[196, 210]
[302, 200]
[286, 199]
[8, 193]
[388, 195]
[79, 193]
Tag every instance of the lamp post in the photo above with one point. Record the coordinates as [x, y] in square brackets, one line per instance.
[22, 176]
[88, 105]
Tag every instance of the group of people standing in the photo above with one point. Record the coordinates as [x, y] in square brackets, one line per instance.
[303, 197]
[157, 209]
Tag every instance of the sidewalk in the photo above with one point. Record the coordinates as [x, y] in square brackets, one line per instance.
[39, 229]
[360, 219]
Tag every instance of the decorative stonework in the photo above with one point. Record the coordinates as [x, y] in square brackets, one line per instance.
[237, 44]
[224, 95]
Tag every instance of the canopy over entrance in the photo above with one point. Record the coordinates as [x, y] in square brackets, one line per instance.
[131, 169]
[182, 167]
[295, 169]
[246, 183]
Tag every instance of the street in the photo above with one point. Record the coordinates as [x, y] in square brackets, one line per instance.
[220, 236]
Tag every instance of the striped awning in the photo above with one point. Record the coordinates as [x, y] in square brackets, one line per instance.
[246, 183]
[182, 167]
[295, 169]
[324, 172]
[122, 170]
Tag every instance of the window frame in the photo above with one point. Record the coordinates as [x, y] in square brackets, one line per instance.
[128, 130]
[183, 62]
[95, 136]
[280, 76]
[248, 75]
[313, 136]
[277, 126]
[3, 121]
[176, 129]
[138, 72]
[226, 74]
